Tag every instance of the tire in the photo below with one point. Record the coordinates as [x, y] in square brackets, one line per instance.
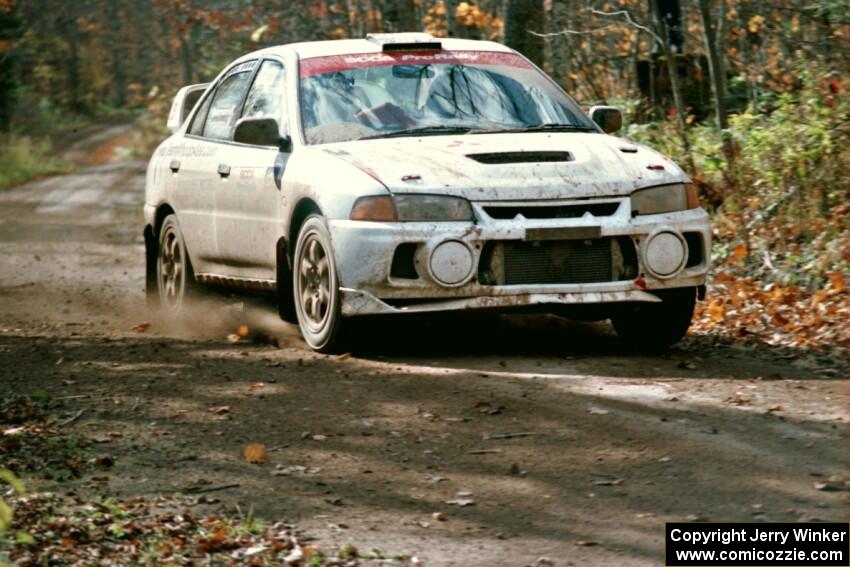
[175, 279]
[316, 287]
[652, 327]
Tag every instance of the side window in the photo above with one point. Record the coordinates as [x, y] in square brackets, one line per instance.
[197, 127]
[266, 97]
[225, 106]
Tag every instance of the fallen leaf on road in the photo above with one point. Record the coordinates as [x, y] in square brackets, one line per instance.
[255, 453]
[220, 410]
[497, 436]
[282, 470]
[344, 356]
[438, 517]
[831, 485]
[608, 482]
[142, 327]
[586, 543]
[104, 461]
[232, 338]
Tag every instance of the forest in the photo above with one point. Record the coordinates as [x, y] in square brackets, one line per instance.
[750, 97]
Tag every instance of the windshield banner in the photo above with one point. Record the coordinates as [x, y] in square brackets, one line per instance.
[334, 63]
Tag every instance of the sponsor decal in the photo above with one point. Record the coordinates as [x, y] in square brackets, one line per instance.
[334, 63]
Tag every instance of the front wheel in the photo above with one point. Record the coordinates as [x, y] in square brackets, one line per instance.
[316, 287]
[175, 280]
[655, 326]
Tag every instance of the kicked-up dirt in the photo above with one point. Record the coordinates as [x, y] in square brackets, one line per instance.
[461, 440]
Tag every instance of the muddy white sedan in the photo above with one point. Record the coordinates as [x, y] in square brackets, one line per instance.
[403, 174]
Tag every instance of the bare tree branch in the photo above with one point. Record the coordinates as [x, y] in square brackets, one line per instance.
[628, 20]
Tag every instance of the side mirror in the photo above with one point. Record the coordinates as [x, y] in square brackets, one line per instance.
[607, 117]
[184, 102]
[261, 132]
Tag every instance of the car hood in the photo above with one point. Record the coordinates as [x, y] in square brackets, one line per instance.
[596, 165]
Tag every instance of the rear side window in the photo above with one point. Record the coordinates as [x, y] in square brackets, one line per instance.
[225, 106]
[265, 99]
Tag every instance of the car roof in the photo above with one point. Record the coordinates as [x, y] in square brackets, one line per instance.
[308, 49]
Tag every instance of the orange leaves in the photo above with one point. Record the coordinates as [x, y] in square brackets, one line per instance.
[255, 453]
[716, 312]
[782, 315]
[836, 283]
[740, 252]
[756, 24]
[471, 16]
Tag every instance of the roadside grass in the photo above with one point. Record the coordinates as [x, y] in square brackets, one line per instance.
[65, 527]
[25, 158]
[59, 529]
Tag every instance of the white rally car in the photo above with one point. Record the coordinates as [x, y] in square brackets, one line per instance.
[401, 174]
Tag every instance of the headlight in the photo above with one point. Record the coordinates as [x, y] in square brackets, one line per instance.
[664, 199]
[423, 208]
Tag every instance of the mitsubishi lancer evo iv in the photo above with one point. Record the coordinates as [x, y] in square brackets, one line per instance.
[403, 173]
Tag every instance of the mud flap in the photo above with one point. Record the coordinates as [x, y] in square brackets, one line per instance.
[284, 293]
[151, 252]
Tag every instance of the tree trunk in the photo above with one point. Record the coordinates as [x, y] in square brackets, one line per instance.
[521, 18]
[10, 27]
[714, 66]
[400, 16]
[72, 35]
[673, 71]
[119, 83]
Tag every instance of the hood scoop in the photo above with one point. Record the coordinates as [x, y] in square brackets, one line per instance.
[521, 157]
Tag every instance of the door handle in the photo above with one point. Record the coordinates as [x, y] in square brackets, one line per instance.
[224, 170]
[174, 166]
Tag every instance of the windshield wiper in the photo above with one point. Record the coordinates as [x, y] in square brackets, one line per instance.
[540, 128]
[423, 130]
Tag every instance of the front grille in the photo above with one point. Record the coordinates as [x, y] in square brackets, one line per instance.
[571, 211]
[515, 262]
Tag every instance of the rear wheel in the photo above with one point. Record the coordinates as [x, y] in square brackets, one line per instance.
[316, 287]
[656, 326]
[175, 280]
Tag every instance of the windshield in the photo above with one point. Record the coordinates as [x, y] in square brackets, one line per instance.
[353, 97]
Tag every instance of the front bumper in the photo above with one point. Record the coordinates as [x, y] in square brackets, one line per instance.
[364, 253]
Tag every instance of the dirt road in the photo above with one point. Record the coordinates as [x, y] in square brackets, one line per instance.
[530, 436]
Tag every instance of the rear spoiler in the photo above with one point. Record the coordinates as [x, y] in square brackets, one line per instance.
[390, 42]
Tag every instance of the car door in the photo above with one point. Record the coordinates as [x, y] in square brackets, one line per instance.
[248, 198]
[205, 146]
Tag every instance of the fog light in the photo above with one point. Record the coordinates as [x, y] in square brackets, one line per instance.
[451, 262]
[664, 254]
